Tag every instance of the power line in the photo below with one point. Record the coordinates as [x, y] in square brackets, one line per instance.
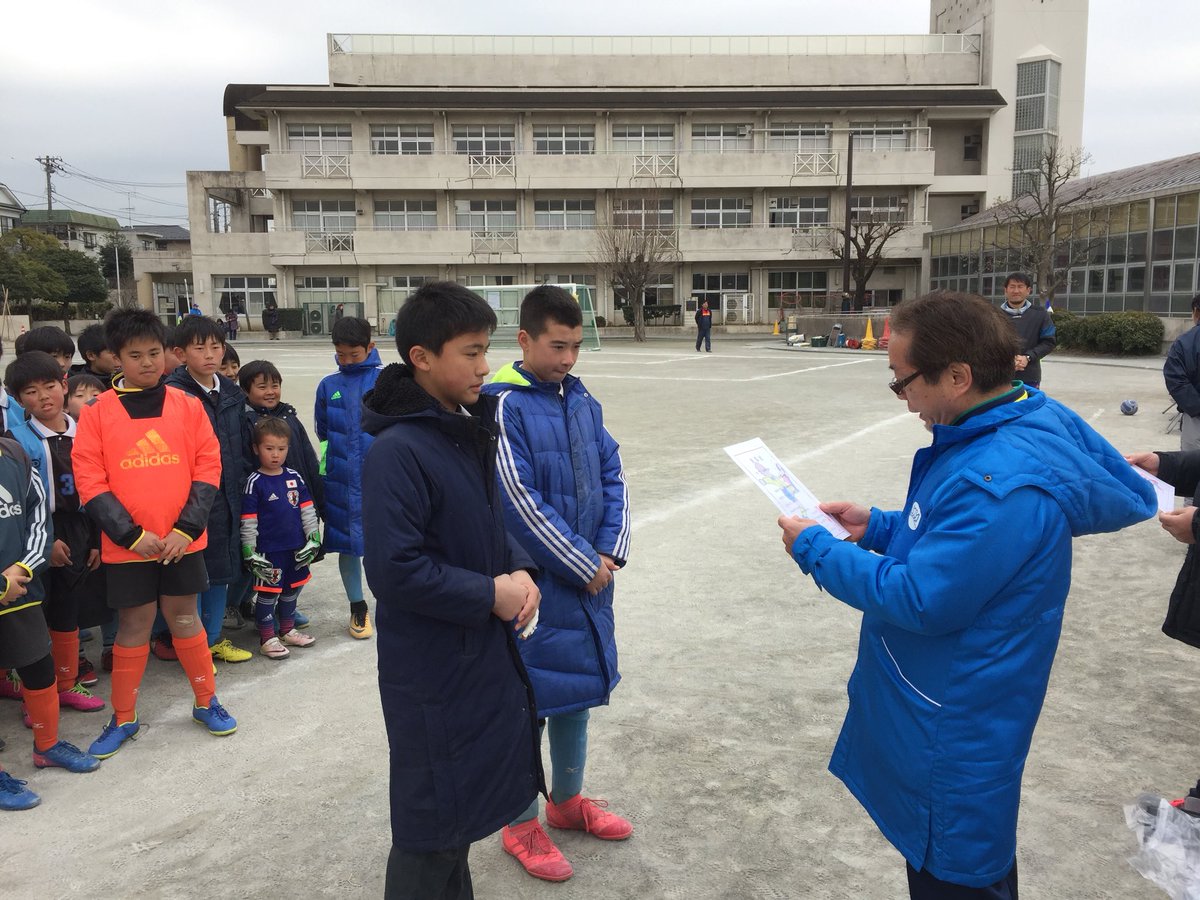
[149, 184]
[100, 183]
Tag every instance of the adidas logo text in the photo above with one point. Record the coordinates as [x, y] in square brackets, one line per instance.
[149, 452]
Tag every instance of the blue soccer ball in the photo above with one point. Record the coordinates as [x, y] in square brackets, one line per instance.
[1129, 407]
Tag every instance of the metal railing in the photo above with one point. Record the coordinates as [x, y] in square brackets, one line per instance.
[493, 242]
[655, 165]
[651, 45]
[492, 166]
[815, 164]
[325, 166]
[329, 242]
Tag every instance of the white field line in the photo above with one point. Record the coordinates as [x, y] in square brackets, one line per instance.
[853, 362]
[710, 495]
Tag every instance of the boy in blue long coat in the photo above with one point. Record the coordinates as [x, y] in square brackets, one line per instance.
[566, 502]
[453, 592]
[344, 448]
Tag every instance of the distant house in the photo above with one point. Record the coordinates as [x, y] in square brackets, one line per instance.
[11, 209]
[162, 268]
[76, 230]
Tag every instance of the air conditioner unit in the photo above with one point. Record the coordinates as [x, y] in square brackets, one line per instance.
[738, 308]
[773, 203]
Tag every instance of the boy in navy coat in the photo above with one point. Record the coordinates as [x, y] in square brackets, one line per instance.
[453, 592]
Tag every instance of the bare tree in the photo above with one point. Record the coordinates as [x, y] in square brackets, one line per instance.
[633, 249]
[868, 238]
[1048, 213]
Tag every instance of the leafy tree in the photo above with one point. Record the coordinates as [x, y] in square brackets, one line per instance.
[114, 249]
[24, 273]
[82, 276]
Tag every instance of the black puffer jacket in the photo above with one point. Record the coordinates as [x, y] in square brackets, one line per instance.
[1182, 470]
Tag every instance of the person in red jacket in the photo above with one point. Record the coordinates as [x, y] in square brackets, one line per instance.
[147, 466]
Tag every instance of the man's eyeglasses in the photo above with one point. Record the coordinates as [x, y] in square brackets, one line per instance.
[897, 387]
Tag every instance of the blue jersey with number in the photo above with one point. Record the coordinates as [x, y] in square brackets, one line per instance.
[275, 501]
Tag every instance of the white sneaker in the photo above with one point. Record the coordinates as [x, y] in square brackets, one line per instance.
[274, 649]
[297, 639]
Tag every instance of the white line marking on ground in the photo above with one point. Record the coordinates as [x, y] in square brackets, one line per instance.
[853, 362]
[1094, 416]
[712, 494]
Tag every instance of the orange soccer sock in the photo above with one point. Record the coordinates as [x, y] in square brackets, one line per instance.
[64, 648]
[129, 664]
[196, 659]
[43, 713]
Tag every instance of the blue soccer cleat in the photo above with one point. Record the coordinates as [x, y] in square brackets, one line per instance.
[113, 736]
[14, 795]
[65, 756]
[215, 718]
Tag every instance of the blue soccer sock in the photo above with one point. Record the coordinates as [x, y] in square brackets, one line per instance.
[350, 568]
[568, 754]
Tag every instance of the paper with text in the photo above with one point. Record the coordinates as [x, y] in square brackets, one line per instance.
[777, 481]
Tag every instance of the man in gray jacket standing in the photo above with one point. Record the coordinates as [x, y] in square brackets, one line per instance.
[1034, 327]
[1181, 372]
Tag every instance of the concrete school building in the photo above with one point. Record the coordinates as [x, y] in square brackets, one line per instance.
[494, 160]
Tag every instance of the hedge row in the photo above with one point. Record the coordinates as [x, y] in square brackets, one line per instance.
[53, 312]
[1119, 333]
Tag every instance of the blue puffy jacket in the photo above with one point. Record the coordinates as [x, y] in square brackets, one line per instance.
[566, 502]
[962, 606]
[338, 416]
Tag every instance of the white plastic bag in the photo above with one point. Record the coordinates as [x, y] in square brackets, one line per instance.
[1168, 846]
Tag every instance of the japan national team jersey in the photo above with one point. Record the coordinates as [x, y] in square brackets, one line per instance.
[276, 501]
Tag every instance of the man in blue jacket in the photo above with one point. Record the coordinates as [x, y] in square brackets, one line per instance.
[1181, 372]
[566, 502]
[962, 593]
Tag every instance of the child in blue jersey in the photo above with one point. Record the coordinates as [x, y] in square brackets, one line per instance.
[280, 537]
[338, 414]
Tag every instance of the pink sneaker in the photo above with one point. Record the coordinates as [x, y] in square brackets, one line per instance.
[296, 638]
[10, 687]
[80, 698]
[582, 813]
[535, 851]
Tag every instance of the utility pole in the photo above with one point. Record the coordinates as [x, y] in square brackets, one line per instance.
[849, 207]
[51, 165]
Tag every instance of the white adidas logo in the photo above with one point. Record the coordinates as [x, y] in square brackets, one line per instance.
[272, 497]
[8, 505]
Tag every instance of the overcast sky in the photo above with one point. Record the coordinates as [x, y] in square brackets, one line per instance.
[132, 91]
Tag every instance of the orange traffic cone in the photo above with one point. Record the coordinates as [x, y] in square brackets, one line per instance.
[887, 334]
[868, 341]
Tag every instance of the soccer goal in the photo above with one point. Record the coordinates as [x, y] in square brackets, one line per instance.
[506, 299]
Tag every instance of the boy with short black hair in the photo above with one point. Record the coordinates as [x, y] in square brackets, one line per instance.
[199, 343]
[566, 502]
[449, 584]
[147, 467]
[24, 540]
[98, 360]
[344, 447]
[280, 538]
[53, 340]
[35, 378]
[230, 363]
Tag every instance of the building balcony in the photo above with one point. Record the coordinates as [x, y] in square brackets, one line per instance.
[594, 171]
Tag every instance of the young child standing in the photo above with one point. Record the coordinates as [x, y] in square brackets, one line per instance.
[24, 541]
[36, 380]
[231, 363]
[200, 343]
[98, 360]
[280, 538]
[50, 339]
[147, 466]
[338, 418]
[566, 502]
[449, 584]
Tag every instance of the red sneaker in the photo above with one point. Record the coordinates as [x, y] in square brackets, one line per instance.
[582, 813]
[80, 698]
[535, 851]
[87, 672]
[106, 659]
[164, 648]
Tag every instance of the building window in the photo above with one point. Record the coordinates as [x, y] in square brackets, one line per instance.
[588, 279]
[485, 140]
[564, 140]
[797, 138]
[879, 135]
[643, 212]
[711, 285]
[721, 212]
[327, 216]
[798, 212]
[879, 208]
[485, 215]
[402, 140]
[722, 138]
[644, 138]
[1037, 95]
[399, 288]
[972, 147]
[89, 240]
[319, 140]
[662, 293]
[564, 214]
[327, 289]
[406, 215]
[245, 293]
[489, 279]
[968, 209]
[787, 289]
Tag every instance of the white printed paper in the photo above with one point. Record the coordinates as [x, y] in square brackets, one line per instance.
[776, 481]
[1164, 491]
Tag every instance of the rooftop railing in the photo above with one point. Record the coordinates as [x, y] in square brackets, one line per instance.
[653, 45]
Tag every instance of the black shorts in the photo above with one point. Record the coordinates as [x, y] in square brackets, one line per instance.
[23, 635]
[138, 583]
